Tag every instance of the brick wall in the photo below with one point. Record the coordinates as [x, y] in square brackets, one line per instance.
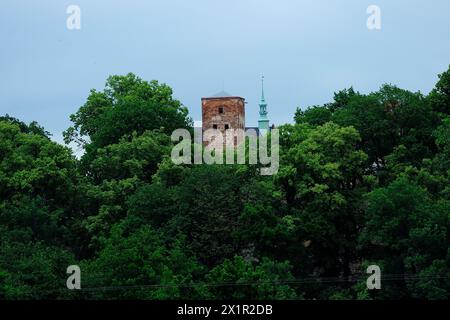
[222, 112]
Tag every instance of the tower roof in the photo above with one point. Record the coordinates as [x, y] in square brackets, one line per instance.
[222, 94]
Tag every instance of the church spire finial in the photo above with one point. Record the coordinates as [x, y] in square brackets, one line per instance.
[262, 86]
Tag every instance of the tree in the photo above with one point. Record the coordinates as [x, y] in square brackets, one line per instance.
[439, 97]
[154, 204]
[135, 256]
[208, 210]
[368, 116]
[322, 178]
[319, 115]
[33, 270]
[237, 279]
[38, 183]
[133, 156]
[316, 115]
[407, 233]
[127, 104]
[396, 128]
[33, 127]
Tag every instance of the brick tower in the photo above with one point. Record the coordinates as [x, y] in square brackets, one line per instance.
[223, 112]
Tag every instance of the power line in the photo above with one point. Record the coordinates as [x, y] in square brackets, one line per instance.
[310, 280]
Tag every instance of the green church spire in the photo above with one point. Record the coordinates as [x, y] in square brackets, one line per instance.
[263, 122]
[262, 103]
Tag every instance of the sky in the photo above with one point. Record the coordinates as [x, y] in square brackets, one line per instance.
[306, 49]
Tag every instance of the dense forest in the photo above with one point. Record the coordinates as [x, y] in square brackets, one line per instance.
[363, 180]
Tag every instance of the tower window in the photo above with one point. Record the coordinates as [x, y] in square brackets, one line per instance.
[227, 126]
[214, 126]
[220, 110]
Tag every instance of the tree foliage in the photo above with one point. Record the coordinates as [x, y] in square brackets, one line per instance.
[362, 180]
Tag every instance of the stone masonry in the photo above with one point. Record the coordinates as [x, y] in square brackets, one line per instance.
[223, 113]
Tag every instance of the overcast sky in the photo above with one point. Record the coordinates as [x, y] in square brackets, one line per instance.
[307, 49]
